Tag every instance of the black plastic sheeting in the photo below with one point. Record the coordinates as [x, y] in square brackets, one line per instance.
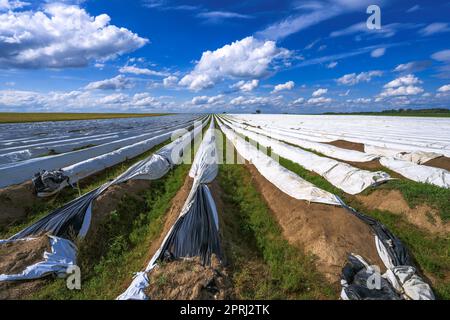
[64, 222]
[397, 251]
[48, 181]
[195, 233]
[357, 275]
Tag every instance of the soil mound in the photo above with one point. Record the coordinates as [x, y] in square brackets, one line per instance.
[16, 202]
[344, 144]
[330, 233]
[393, 201]
[188, 279]
[16, 256]
[440, 162]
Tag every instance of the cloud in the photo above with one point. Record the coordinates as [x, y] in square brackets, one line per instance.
[352, 78]
[311, 13]
[413, 66]
[217, 16]
[79, 101]
[274, 101]
[246, 58]
[402, 86]
[298, 101]
[433, 28]
[379, 52]
[117, 83]
[6, 5]
[170, 81]
[141, 71]
[319, 92]
[442, 56]
[403, 81]
[401, 91]
[413, 8]
[359, 100]
[319, 100]
[387, 30]
[284, 86]
[202, 100]
[245, 86]
[61, 36]
[444, 88]
[332, 65]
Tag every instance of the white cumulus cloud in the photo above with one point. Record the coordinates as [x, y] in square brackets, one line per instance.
[117, 83]
[61, 35]
[289, 85]
[141, 71]
[247, 58]
[445, 88]
[402, 86]
[319, 100]
[353, 78]
[319, 92]
[246, 86]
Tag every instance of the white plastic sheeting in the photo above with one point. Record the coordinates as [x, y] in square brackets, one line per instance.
[63, 255]
[425, 174]
[88, 167]
[21, 171]
[325, 149]
[404, 279]
[342, 175]
[403, 153]
[418, 157]
[403, 133]
[283, 179]
[203, 170]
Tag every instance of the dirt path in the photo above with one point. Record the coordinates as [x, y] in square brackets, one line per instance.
[393, 201]
[328, 232]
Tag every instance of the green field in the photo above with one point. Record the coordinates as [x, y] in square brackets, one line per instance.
[15, 117]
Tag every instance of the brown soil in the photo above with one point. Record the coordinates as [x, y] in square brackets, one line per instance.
[344, 144]
[109, 200]
[14, 258]
[393, 201]
[331, 233]
[16, 202]
[440, 162]
[189, 280]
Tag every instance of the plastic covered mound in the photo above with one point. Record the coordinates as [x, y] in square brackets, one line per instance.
[188, 279]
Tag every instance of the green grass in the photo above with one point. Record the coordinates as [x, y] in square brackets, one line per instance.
[107, 265]
[18, 117]
[288, 272]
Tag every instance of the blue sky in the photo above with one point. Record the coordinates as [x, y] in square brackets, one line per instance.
[213, 56]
